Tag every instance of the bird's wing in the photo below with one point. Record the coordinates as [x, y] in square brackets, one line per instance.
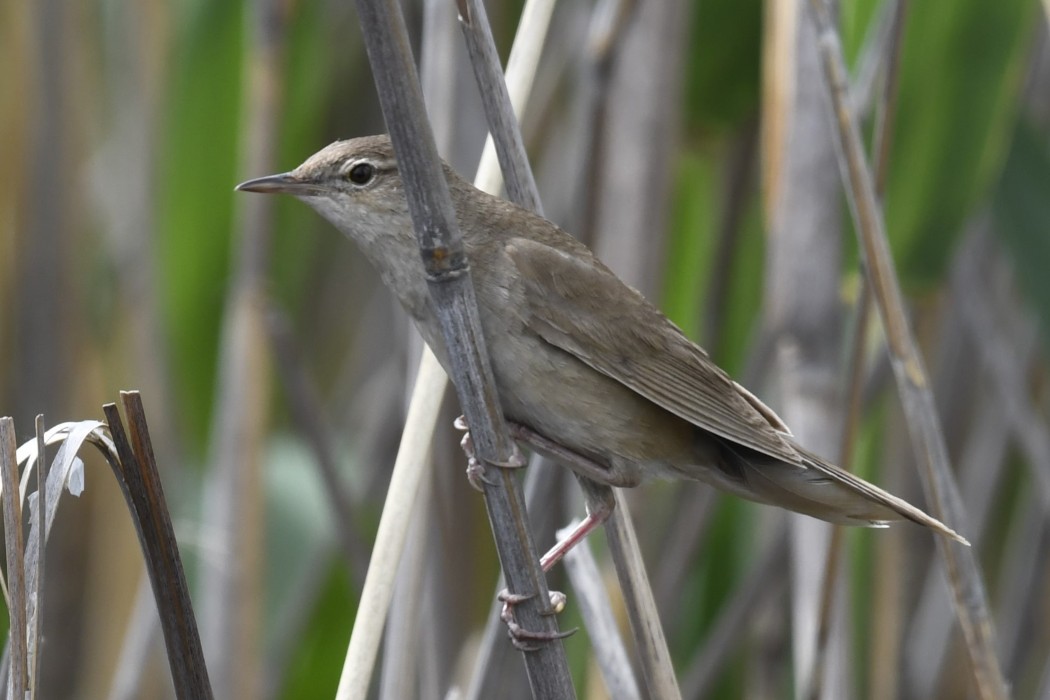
[579, 306]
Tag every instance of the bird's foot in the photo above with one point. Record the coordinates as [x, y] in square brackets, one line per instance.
[475, 469]
[529, 640]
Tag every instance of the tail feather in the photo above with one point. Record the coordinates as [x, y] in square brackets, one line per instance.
[876, 495]
[819, 489]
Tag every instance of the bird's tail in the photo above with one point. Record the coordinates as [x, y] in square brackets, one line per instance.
[873, 493]
[830, 493]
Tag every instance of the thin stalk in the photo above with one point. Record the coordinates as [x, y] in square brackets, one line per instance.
[804, 272]
[653, 654]
[499, 111]
[885, 115]
[139, 481]
[37, 577]
[492, 666]
[730, 625]
[963, 570]
[448, 276]
[18, 679]
[396, 517]
[600, 621]
[232, 595]
[521, 188]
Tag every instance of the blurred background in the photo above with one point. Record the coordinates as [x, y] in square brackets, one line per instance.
[690, 144]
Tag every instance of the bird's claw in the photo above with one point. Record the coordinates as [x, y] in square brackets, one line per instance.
[515, 461]
[475, 469]
[522, 638]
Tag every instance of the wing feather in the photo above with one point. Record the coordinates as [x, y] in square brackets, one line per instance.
[632, 342]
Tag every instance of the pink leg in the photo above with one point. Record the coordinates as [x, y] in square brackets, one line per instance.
[595, 479]
[579, 533]
[599, 505]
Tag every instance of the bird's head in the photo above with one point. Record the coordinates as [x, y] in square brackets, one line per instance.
[354, 184]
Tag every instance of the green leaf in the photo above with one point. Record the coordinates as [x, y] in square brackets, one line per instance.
[856, 22]
[1022, 211]
[298, 518]
[724, 62]
[691, 241]
[316, 658]
[196, 198]
[962, 65]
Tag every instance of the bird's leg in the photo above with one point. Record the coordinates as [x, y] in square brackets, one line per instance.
[600, 505]
[475, 469]
[523, 639]
[582, 466]
[596, 480]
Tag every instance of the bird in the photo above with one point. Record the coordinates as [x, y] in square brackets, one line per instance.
[587, 369]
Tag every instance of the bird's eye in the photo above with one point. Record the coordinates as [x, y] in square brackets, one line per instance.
[361, 173]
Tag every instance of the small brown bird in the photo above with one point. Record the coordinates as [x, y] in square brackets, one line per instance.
[580, 358]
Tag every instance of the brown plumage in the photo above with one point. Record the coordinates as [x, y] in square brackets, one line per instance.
[580, 357]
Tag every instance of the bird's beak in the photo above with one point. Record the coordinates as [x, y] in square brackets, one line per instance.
[287, 183]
